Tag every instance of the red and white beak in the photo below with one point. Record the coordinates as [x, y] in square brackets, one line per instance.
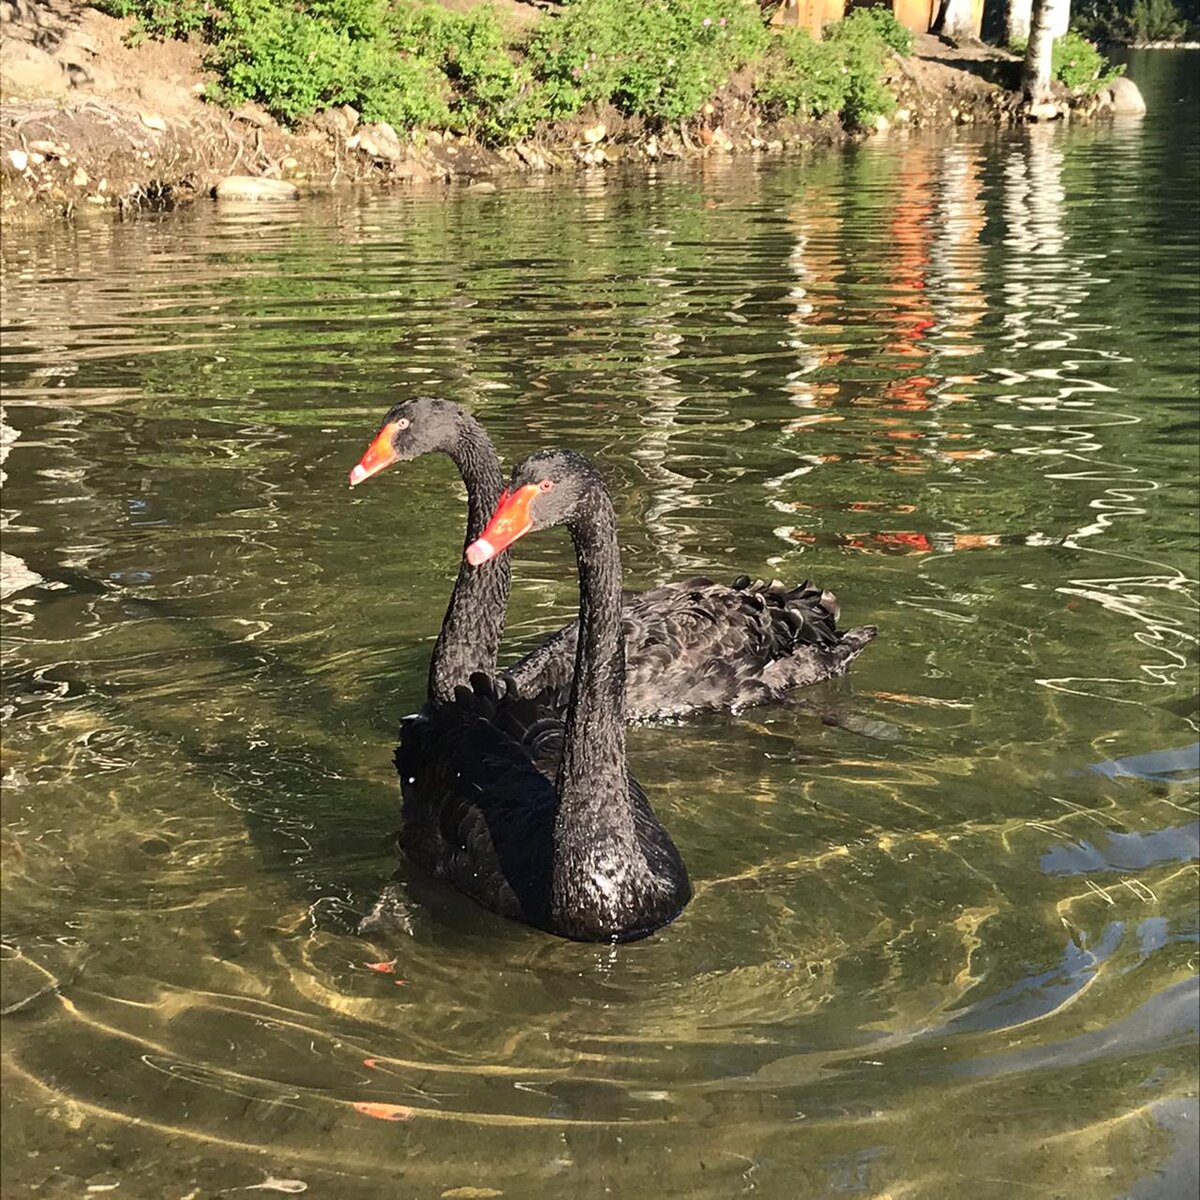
[510, 521]
[379, 454]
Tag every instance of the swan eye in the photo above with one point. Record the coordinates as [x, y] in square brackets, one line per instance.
[403, 423]
[546, 484]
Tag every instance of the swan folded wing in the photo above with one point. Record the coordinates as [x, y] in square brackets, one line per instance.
[479, 804]
[551, 666]
[698, 645]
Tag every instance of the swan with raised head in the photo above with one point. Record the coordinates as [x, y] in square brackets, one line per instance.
[532, 815]
[689, 646]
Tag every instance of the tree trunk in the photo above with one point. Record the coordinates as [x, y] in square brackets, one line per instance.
[958, 19]
[1049, 17]
[1016, 23]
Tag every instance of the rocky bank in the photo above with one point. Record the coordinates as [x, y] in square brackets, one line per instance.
[88, 120]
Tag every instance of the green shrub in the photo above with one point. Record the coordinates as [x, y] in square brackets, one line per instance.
[163, 19]
[418, 65]
[803, 77]
[894, 35]
[842, 74]
[296, 59]
[492, 97]
[1137, 20]
[656, 58]
[864, 54]
[1076, 63]
[1156, 21]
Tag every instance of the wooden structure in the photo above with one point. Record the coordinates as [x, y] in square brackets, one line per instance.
[917, 15]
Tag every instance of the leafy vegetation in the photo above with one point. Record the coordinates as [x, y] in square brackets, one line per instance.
[1137, 20]
[842, 74]
[1077, 63]
[656, 58]
[418, 65]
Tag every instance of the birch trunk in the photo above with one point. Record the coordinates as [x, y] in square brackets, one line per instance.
[1016, 24]
[1049, 20]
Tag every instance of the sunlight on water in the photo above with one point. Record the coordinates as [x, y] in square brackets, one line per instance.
[944, 933]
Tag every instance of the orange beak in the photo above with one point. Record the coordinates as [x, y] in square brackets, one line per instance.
[510, 521]
[379, 455]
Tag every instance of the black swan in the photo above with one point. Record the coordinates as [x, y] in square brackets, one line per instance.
[533, 817]
[689, 646]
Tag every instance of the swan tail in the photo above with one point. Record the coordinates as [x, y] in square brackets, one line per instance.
[809, 664]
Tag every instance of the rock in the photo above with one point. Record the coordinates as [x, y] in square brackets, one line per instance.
[882, 124]
[48, 149]
[412, 171]
[335, 121]
[531, 156]
[289, 166]
[1126, 98]
[253, 114]
[27, 70]
[594, 133]
[902, 116]
[102, 79]
[379, 141]
[482, 188]
[250, 187]
[1044, 110]
[161, 96]
[651, 148]
[77, 44]
[19, 159]
[80, 178]
[721, 140]
[153, 121]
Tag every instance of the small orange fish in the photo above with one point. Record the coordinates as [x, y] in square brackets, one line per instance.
[384, 968]
[384, 1112]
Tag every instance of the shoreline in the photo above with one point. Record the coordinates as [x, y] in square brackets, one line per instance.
[109, 126]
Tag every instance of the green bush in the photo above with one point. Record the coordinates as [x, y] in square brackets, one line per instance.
[1156, 21]
[1137, 20]
[1076, 63]
[803, 77]
[894, 35]
[843, 74]
[492, 97]
[657, 58]
[864, 53]
[418, 65]
[296, 59]
[162, 19]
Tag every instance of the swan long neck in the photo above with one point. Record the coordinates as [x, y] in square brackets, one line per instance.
[474, 621]
[594, 831]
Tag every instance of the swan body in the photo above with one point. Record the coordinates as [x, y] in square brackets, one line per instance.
[689, 647]
[532, 814]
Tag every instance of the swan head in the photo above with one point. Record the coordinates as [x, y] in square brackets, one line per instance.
[423, 425]
[548, 488]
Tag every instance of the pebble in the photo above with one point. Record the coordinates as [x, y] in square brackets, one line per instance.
[19, 159]
[153, 121]
[250, 187]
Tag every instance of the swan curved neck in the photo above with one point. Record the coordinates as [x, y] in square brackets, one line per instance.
[594, 830]
[474, 621]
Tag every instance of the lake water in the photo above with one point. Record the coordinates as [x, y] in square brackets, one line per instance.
[944, 945]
